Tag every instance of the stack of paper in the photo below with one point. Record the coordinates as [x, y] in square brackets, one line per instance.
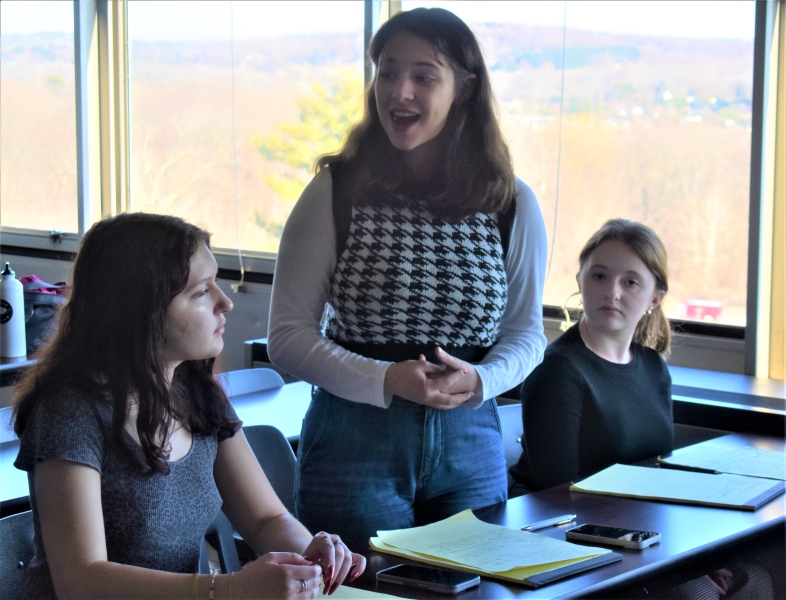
[465, 543]
[725, 491]
[745, 460]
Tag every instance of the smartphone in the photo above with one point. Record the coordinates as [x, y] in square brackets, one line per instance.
[614, 536]
[444, 581]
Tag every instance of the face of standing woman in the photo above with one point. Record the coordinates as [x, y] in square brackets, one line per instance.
[195, 318]
[616, 288]
[415, 88]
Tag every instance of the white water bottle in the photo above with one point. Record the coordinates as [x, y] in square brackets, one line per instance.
[13, 343]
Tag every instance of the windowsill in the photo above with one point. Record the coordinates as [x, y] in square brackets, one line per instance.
[702, 398]
[729, 401]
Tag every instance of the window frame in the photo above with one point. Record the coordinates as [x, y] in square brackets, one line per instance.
[103, 157]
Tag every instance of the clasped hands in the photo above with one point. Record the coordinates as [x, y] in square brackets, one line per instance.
[299, 575]
[444, 386]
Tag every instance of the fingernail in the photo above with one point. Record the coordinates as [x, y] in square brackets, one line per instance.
[471, 394]
[312, 558]
[464, 371]
[354, 576]
[330, 573]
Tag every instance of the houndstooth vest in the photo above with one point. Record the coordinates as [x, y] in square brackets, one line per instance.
[407, 282]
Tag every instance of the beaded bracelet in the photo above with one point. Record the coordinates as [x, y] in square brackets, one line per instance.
[212, 583]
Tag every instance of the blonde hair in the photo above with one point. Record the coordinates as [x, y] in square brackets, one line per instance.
[653, 329]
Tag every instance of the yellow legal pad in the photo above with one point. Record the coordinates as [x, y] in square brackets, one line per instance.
[465, 543]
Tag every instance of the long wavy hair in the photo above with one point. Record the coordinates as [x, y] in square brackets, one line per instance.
[653, 329]
[109, 345]
[476, 174]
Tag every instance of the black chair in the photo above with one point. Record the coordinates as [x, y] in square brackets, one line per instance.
[16, 552]
[220, 536]
[277, 460]
[512, 430]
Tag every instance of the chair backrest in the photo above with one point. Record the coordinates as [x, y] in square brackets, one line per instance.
[277, 460]
[512, 430]
[247, 381]
[16, 551]
[221, 536]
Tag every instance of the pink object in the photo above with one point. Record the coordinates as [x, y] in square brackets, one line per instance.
[703, 310]
[46, 288]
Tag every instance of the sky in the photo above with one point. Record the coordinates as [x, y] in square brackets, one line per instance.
[168, 20]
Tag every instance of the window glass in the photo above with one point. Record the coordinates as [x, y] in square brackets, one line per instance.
[656, 127]
[298, 84]
[37, 116]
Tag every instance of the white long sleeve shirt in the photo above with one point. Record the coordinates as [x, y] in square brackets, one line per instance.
[301, 288]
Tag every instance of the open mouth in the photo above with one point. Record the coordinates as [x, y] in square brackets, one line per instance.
[403, 117]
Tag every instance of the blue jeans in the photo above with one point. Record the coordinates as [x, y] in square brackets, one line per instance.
[364, 469]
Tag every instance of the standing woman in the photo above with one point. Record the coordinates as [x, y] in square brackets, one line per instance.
[131, 446]
[427, 257]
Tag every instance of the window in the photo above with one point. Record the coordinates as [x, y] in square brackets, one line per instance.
[642, 139]
[653, 124]
[37, 116]
[298, 84]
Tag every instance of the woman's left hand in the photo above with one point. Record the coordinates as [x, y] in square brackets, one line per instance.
[337, 561]
[470, 382]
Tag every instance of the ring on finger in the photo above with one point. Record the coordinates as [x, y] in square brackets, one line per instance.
[303, 585]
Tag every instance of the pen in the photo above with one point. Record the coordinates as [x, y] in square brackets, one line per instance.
[561, 520]
[665, 465]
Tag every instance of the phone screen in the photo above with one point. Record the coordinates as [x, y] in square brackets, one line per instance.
[614, 533]
[439, 577]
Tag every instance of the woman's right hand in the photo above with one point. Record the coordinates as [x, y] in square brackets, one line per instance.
[421, 382]
[278, 575]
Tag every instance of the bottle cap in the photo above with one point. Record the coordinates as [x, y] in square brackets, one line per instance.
[8, 270]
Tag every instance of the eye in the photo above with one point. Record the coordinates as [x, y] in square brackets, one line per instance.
[424, 79]
[597, 276]
[202, 292]
[387, 75]
[632, 282]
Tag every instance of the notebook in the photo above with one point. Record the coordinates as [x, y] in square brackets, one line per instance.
[465, 543]
[683, 487]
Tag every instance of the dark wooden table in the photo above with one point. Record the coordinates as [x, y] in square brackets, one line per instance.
[690, 536]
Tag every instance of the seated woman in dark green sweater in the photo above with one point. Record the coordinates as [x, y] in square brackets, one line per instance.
[602, 394]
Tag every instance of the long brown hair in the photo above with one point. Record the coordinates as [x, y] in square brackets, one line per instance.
[111, 335]
[476, 170]
[653, 329]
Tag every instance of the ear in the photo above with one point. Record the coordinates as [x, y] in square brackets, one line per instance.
[464, 92]
[657, 299]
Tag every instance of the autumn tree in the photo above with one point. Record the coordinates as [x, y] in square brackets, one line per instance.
[325, 116]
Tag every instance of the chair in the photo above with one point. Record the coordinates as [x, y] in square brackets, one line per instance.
[512, 430]
[247, 381]
[277, 460]
[16, 552]
[221, 537]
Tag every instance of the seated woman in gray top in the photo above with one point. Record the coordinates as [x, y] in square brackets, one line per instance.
[132, 447]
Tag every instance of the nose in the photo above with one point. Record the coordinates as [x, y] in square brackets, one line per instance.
[224, 304]
[613, 290]
[403, 89]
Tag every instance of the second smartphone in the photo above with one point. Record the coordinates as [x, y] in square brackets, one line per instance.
[444, 581]
[614, 536]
